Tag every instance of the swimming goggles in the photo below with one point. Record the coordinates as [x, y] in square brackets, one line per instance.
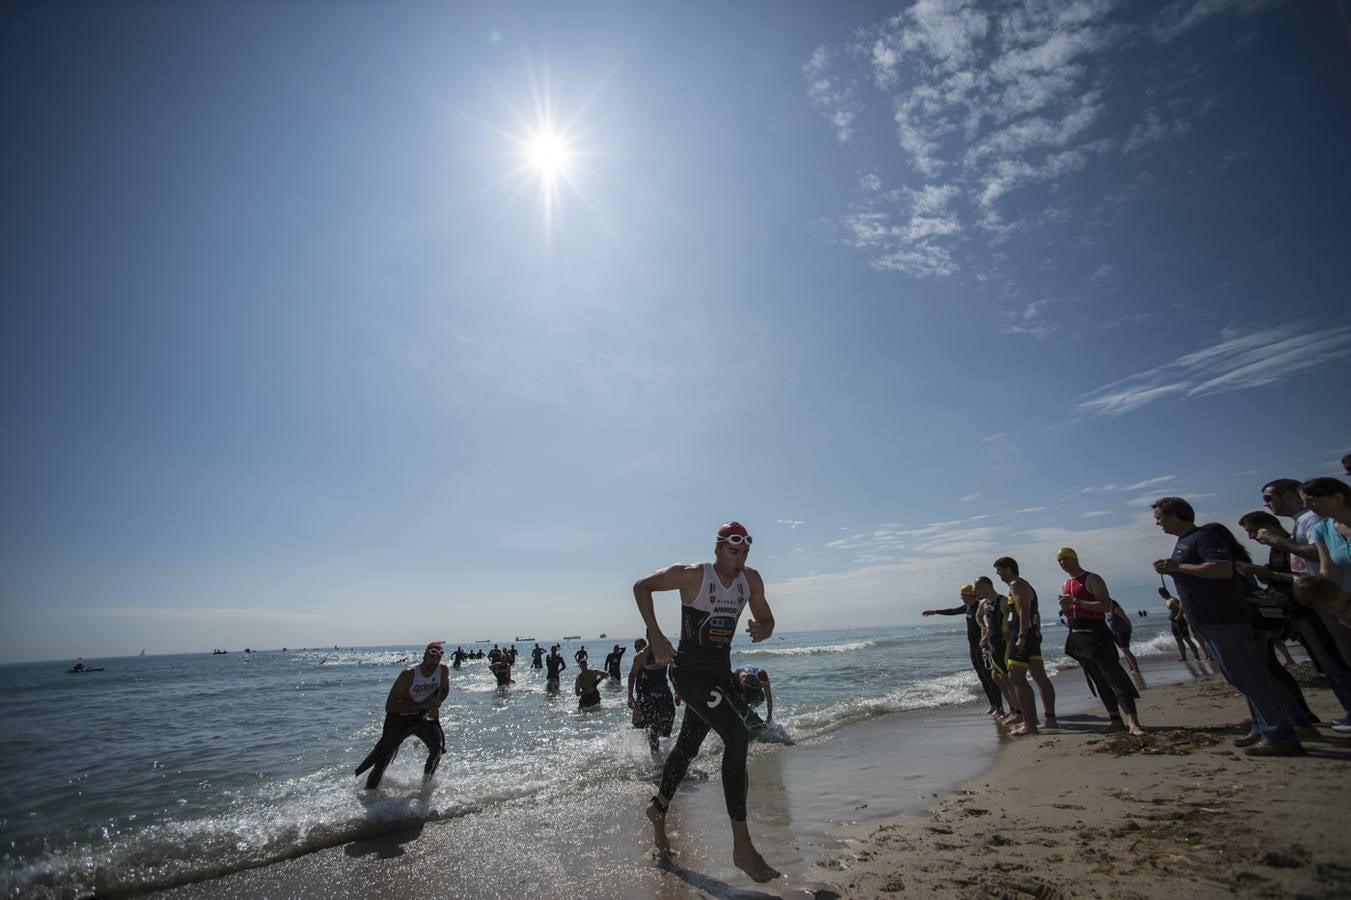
[736, 540]
[433, 651]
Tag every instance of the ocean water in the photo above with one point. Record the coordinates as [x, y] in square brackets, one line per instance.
[163, 770]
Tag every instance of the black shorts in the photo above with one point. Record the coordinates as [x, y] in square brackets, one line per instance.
[1031, 651]
[1180, 629]
[1122, 640]
[590, 698]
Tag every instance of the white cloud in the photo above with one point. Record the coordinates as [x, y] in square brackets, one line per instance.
[969, 497]
[1094, 513]
[1239, 361]
[994, 99]
[196, 614]
[1123, 488]
[1182, 16]
[791, 523]
[833, 96]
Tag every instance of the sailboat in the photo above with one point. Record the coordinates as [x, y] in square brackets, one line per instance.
[143, 651]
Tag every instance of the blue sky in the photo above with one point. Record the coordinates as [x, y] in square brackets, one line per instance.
[293, 355]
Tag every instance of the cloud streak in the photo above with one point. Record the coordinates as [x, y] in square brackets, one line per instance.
[1238, 361]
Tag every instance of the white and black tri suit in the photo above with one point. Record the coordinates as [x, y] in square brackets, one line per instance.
[702, 673]
[398, 726]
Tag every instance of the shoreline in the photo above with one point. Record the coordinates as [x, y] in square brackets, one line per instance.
[807, 806]
[1074, 813]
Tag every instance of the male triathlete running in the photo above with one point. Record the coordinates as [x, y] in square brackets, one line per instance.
[411, 708]
[712, 596]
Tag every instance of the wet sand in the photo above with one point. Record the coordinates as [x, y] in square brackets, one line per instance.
[1178, 812]
[849, 815]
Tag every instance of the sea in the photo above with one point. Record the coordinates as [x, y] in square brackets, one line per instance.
[172, 769]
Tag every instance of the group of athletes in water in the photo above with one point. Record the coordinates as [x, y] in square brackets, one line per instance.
[698, 673]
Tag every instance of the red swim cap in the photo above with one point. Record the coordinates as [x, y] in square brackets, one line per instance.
[732, 528]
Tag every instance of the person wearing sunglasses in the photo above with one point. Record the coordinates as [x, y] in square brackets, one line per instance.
[712, 597]
[412, 709]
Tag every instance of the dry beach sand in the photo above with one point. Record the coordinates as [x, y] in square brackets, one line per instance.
[1178, 812]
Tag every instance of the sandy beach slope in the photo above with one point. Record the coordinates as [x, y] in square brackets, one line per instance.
[1177, 813]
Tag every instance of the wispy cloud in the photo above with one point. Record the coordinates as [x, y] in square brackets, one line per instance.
[194, 614]
[1182, 16]
[791, 523]
[1238, 361]
[1094, 513]
[833, 96]
[969, 497]
[987, 99]
[1114, 488]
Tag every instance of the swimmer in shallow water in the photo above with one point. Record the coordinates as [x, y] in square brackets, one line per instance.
[650, 696]
[586, 685]
[412, 709]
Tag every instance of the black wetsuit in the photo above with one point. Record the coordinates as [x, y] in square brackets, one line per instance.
[555, 664]
[1092, 644]
[399, 726]
[458, 657]
[977, 657]
[537, 658]
[612, 663]
[653, 704]
[702, 673]
[996, 630]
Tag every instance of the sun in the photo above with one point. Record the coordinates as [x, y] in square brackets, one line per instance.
[548, 154]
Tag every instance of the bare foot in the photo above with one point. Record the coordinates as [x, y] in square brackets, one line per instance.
[1114, 727]
[1011, 719]
[658, 819]
[749, 860]
[1051, 722]
[1024, 730]
[1137, 729]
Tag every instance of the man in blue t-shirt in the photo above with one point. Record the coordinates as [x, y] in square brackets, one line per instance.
[1211, 592]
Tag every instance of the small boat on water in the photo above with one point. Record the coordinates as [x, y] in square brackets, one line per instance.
[572, 637]
[142, 651]
[219, 652]
[80, 668]
[602, 635]
[523, 639]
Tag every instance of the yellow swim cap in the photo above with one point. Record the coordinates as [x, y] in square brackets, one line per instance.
[1066, 553]
[968, 590]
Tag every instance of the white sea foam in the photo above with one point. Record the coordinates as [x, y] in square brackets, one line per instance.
[807, 651]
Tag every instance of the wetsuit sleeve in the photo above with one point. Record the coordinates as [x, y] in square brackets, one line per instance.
[955, 611]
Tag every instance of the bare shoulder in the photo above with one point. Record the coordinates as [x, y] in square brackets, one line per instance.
[753, 578]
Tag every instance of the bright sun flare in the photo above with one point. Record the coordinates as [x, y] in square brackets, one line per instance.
[548, 154]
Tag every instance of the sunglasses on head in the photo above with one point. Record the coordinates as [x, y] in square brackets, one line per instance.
[736, 540]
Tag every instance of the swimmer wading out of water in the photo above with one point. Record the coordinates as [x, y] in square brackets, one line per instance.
[411, 708]
[712, 596]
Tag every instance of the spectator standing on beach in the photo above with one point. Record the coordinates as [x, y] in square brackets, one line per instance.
[993, 616]
[1177, 621]
[970, 608]
[1202, 567]
[1025, 648]
[1331, 499]
[1085, 603]
[712, 597]
[1308, 626]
